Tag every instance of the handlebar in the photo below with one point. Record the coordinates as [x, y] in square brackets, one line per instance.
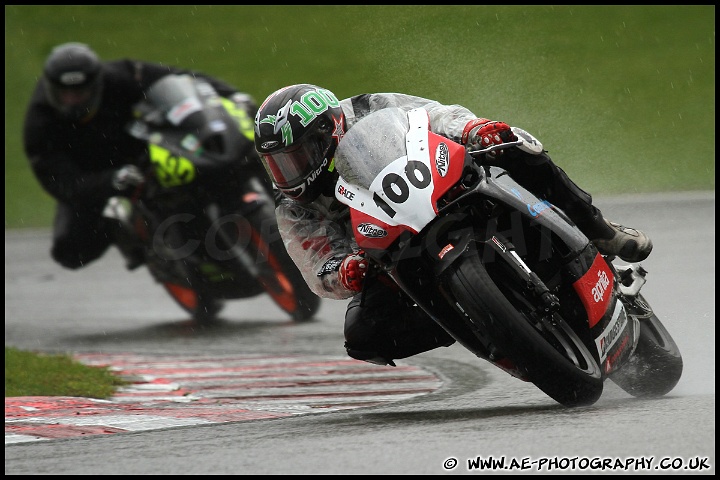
[492, 148]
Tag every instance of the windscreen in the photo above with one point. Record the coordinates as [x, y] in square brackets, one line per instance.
[370, 145]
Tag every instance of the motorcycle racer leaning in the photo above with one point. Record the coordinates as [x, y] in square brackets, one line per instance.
[297, 130]
[74, 137]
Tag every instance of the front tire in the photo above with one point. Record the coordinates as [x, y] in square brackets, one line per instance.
[287, 287]
[549, 354]
[277, 272]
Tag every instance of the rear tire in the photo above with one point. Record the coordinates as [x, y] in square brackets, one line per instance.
[203, 308]
[656, 366]
[551, 357]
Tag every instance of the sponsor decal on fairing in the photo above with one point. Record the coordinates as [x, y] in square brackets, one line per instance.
[539, 208]
[345, 192]
[371, 230]
[611, 334]
[442, 159]
[595, 290]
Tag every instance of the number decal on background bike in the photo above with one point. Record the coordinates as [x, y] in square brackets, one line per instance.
[171, 170]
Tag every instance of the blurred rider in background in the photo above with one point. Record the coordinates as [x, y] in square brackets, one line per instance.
[297, 130]
[75, 139]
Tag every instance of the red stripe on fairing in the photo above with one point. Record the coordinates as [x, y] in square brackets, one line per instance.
[595, 289]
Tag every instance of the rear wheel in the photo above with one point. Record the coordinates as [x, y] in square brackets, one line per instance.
[203, 308]
[544, 349]
[656, 365]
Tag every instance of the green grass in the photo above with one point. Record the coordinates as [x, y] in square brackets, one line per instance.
[623, 97]
[38, 374]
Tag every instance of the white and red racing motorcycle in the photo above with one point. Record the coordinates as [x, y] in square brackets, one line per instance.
[504, 272]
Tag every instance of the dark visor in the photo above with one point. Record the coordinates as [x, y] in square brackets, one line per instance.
[290, 167]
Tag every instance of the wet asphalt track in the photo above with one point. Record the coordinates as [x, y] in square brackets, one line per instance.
[455, 407]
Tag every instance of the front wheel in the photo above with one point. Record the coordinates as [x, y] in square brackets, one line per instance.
[276, 271]
[286, 286]
[546, 351]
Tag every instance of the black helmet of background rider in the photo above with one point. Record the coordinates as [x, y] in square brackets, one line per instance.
[297, 130]
[73, 80]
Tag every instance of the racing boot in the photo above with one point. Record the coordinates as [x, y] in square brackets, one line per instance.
[130, 247]
[134, 256]
[116, 220]
[610, 238]
[628, 244]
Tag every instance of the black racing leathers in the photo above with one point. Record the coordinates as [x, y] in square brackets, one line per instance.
[74, 161]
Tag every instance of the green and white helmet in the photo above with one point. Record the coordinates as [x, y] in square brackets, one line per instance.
[297, 130]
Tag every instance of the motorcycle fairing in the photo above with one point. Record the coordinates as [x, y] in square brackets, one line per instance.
[617, 339]
[595, 289]
[431, 166]
[498, 185]
[444, 158]
[597, 292]
[189, 124]
[171, 170]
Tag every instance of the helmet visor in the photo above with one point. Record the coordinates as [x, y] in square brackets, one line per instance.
[74, 101]
[289, 168]
[72, 97]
